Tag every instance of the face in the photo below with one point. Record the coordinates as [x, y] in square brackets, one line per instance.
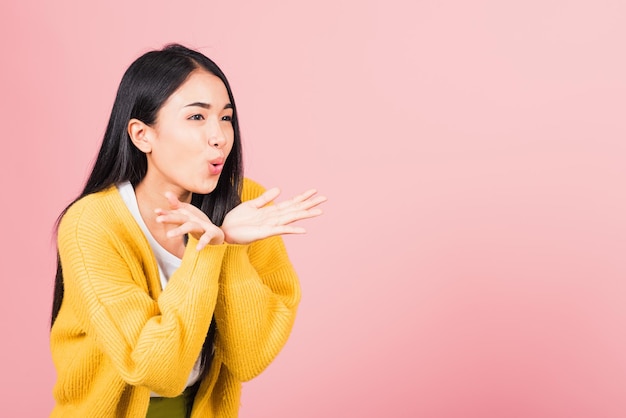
[192, 137]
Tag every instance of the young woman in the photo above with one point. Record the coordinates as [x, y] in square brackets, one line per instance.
[173, 285]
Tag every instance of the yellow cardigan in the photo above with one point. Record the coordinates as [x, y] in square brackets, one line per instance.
[118, 337]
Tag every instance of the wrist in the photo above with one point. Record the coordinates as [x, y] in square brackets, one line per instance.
[229, 239]
[215, 236]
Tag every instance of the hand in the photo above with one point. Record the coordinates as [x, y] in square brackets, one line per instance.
[191, 220]
[255, 219]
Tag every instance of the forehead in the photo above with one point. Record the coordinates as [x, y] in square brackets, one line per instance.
[200, 86]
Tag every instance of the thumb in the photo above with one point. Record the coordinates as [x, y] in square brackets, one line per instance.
[172, 200]
[265, 198]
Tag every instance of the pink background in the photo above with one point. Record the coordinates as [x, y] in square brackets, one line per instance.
[471, 261]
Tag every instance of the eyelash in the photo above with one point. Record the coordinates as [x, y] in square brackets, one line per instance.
[200, 117]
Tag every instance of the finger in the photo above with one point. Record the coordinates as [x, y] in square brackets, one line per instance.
[312, 202]
[178, 217]
[287, 230]
[204, 240]
[185, 228]
[172, 200]
[181, 210]
[296, 199]
[304, 196]
[304, 205]
[299, 215]
[172, 218]
[265, 198]
[305, 200]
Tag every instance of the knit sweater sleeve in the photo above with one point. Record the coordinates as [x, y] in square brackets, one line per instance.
[151, 343]
[257, 302]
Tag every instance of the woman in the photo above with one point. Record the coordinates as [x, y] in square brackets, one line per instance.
[170, 291]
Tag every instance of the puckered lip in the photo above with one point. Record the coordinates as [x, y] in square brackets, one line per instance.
[217, 161]
[216, 165]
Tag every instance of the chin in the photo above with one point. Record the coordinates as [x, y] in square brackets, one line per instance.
[205, 188]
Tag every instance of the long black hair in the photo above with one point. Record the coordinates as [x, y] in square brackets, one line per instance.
[145, 86]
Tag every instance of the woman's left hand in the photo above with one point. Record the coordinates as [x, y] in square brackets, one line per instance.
[190, 220]
[255, 219]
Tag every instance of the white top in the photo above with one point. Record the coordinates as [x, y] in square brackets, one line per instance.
[167, 262]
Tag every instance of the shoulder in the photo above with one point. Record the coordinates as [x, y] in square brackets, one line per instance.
[92, 211]
[251, 189]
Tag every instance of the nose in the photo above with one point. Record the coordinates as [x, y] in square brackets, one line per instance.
[217, 138]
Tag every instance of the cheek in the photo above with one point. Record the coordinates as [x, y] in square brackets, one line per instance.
[230, 142]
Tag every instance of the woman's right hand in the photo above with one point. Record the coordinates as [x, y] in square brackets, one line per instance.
[190, 220]
[255, 219]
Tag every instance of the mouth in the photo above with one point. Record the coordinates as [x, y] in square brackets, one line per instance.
[216, 166]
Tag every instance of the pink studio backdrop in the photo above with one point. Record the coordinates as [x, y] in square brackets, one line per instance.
[471, 261]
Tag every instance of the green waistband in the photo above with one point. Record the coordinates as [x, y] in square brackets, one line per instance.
[178, 407]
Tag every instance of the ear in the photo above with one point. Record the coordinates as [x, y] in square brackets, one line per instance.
[140, 133]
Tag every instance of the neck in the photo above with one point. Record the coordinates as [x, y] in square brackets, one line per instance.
[154, 196]
[150, 198]
[152, 188]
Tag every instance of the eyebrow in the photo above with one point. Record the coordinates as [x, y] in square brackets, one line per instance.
[207, 105]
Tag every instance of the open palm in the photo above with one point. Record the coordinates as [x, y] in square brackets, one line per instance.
[257, 218]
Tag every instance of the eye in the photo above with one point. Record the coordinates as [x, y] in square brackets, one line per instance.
[196, 117]
[227, 118]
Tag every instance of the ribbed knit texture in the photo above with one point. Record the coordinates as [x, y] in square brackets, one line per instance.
[118, 336]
